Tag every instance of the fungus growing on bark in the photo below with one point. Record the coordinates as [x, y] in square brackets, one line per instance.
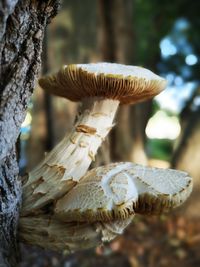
[101, 87]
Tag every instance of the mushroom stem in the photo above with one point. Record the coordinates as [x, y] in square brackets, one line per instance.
[49, 233]
[62, 168]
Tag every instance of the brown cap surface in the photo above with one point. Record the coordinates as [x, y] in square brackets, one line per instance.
[128, 84]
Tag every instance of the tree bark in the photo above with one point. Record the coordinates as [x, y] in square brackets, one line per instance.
[22, 25]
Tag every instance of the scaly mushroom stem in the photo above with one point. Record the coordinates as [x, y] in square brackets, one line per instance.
[50, 233]
[69, 160]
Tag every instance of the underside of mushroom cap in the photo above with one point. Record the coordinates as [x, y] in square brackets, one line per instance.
[117, 191]
[128, 84]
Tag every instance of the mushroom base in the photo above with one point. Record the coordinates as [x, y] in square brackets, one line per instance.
[50, 233]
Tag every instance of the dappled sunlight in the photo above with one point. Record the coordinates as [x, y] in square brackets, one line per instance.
[162, 126]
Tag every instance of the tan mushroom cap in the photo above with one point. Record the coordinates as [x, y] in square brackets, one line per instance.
[128, 84]
[118, 190]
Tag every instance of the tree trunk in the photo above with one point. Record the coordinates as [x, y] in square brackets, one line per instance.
[186, 153]
[140, 115]
[48, 104]
[22, 25]
[117, 45]
[187, 158]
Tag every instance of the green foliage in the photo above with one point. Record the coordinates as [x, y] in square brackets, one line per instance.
[160, 149]
[72, 35]
[151, 25]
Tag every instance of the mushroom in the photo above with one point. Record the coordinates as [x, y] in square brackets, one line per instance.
[101, 87]
[103, 204]
[118, 190]
[67, 208]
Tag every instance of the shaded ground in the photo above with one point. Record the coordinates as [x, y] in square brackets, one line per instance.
[154, 242]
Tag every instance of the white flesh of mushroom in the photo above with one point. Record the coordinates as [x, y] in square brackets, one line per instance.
[119, 69]
[69, 160]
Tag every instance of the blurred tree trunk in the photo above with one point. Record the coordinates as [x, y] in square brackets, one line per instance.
[140, 115]
[50, 135]
[186, 155]
[106, 30]
[116, 45]
[22, 25]
[187, 158]
[107, 49]
[117, 41]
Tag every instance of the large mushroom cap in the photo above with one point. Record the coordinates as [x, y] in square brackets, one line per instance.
[128, 84]
[118, 190]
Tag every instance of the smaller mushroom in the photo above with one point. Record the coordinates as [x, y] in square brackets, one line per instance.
[117, 191]
[101, 87]
[103, 204]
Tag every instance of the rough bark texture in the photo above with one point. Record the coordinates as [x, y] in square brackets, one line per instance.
[22, 25]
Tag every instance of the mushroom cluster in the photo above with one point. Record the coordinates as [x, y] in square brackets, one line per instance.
[65, 206]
